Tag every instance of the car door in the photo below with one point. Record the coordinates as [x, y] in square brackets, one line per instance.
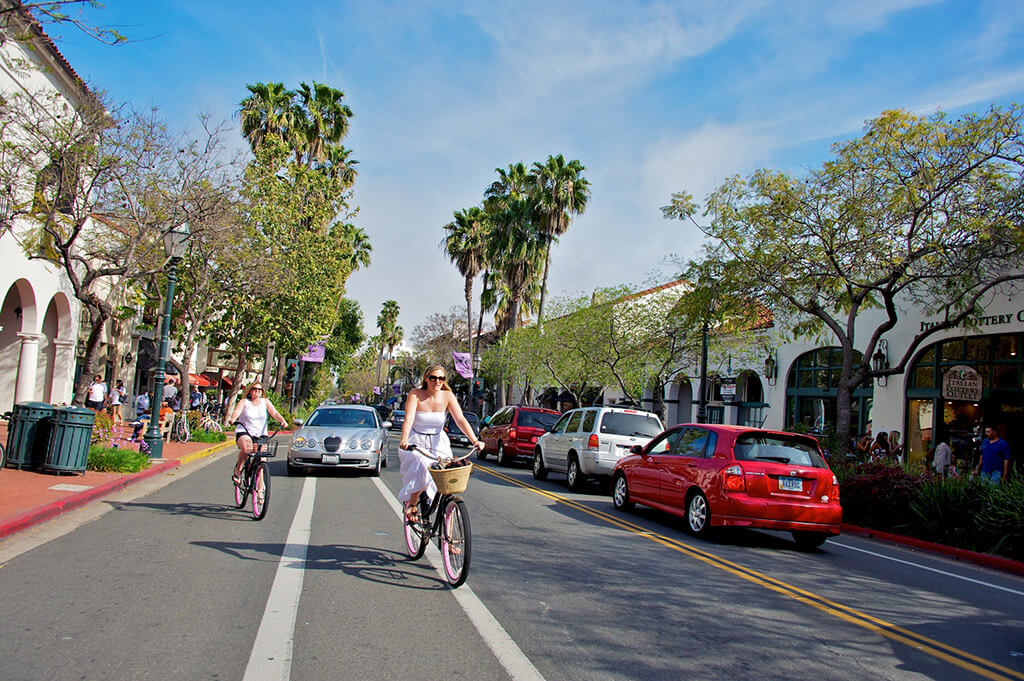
[569, 439]
[644, 476]
[554, 441]
[691, 464]
[490, 434]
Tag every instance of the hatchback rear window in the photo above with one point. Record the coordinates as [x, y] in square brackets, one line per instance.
[622, 423]
[537, 419]
[776, 448]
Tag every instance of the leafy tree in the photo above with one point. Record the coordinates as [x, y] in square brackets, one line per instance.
[918, 212]
[55, 12]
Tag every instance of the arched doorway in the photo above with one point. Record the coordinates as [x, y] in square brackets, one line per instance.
[750, 396]
[811, 392]
[18, 341]
[679, 402]
[957, 418]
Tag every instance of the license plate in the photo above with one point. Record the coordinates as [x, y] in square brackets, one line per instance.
[331, 458]
[791, 484]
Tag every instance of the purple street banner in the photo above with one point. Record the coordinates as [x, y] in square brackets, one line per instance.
[376, 390]
[463, 364]
[396, 388]
[315, 352]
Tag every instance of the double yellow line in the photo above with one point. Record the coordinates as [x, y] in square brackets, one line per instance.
[947, 653]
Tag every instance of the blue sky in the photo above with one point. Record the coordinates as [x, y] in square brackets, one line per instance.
[652, 97]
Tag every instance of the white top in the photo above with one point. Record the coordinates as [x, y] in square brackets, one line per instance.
[115, 396]
[253, 417]
[943, 456]
[97, 391]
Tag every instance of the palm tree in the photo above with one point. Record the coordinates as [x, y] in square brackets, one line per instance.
[359, 241]
[322, 119]
[561, 192]
[339, 164]
[267, 110]
[465, 246]
[386, 324]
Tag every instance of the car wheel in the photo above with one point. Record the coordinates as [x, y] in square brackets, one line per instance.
[293, 470]
[574, 477]
[503, 458]
[698, 515]
[539, 471]
[620, 494]
[376, 469]
[809, 540]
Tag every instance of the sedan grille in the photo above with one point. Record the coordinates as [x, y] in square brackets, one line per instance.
[332, 444]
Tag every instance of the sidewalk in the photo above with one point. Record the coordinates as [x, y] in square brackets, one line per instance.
[31, 497]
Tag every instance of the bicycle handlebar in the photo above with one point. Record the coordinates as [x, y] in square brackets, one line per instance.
[427, 454]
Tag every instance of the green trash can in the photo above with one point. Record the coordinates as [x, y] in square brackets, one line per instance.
[70, 437]
[28, 434]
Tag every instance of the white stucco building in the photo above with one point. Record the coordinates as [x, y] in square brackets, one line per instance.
[38, 313]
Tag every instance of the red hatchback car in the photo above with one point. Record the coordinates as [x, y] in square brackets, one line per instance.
[730, 476]
[512, 432]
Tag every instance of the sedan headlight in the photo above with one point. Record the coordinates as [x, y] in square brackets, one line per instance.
[311, 442]
[366, 444]
[299, 442]
[353, 444]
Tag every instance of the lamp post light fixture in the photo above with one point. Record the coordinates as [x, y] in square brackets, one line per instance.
[771, 366]
[880, 360]
[175, 246]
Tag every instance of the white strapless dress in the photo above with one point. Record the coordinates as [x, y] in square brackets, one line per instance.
[428, 433]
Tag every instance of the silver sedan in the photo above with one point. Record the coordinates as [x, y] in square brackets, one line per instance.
[335, 436]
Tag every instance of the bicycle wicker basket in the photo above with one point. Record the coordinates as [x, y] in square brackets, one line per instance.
[267, 449]
[452, 480]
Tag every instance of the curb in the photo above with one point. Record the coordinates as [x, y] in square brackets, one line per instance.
[40, 514]
[984, 559]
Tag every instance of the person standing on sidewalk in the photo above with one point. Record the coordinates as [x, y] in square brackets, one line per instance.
[97, 393]
[116, 400]
[994, 464]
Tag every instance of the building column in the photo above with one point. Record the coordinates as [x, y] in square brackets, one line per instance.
[25, 388]
[63, 371]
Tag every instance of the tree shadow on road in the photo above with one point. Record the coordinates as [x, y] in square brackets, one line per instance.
[198, 510]
[364, 562]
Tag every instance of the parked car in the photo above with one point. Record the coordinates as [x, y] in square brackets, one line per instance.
[512, 432]
[587, 442]
[333, 437]
[397, 419]
[455, 434]
[384, 411]
[731, 476]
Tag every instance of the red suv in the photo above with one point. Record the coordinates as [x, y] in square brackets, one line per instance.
[513, 431]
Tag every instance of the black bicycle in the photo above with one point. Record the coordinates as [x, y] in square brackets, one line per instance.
[254, 481]
[445, 518]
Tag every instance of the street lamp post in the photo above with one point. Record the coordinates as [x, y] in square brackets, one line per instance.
[478, 398]
[702, 408]
[175, 245]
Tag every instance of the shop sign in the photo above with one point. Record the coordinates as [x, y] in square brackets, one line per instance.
[728, 392]
[961, 383]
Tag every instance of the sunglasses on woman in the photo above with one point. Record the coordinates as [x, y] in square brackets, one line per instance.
[435, 378]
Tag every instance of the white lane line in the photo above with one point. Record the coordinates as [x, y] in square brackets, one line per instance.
[271, 657]
[509, 654]
[930, 569]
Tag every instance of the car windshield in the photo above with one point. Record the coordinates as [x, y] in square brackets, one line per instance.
[537, 419]
[345, 418]
[624, 423]
[777, 448]
[473, 419]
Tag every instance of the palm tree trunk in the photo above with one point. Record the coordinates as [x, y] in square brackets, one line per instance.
[544, 286]
[469, 315]
[480, 321]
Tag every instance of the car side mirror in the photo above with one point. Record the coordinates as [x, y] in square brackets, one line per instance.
[297, 422]
[636, 449]
[386, 424]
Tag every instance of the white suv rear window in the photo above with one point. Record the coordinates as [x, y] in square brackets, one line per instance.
[624, 423]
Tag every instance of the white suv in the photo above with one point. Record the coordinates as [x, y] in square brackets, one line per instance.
[588, 441]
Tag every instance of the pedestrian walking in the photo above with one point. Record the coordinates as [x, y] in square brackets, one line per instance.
[116, 400]
[97, 395]
[994, 464]
[170, 391]
[895, 448]
[942, 457]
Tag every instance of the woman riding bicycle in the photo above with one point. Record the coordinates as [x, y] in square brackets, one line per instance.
[250, 415]
[426, 409]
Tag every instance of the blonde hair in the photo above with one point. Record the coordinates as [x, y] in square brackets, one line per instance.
[431, 369]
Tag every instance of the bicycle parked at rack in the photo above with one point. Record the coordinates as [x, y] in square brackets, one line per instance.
[445, 518]
[207, 421]
[180, 430]
[254, 481]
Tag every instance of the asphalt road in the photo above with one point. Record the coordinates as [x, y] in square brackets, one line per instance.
[178, 584]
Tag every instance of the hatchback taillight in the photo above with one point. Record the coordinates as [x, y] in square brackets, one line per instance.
[592, 442]
[512, 433]
[835, 488]
[732, 479]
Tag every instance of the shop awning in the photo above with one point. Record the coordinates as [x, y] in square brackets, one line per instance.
[200, 380]
[212, 379]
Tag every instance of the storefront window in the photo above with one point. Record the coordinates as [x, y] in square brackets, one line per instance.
[811, 392]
